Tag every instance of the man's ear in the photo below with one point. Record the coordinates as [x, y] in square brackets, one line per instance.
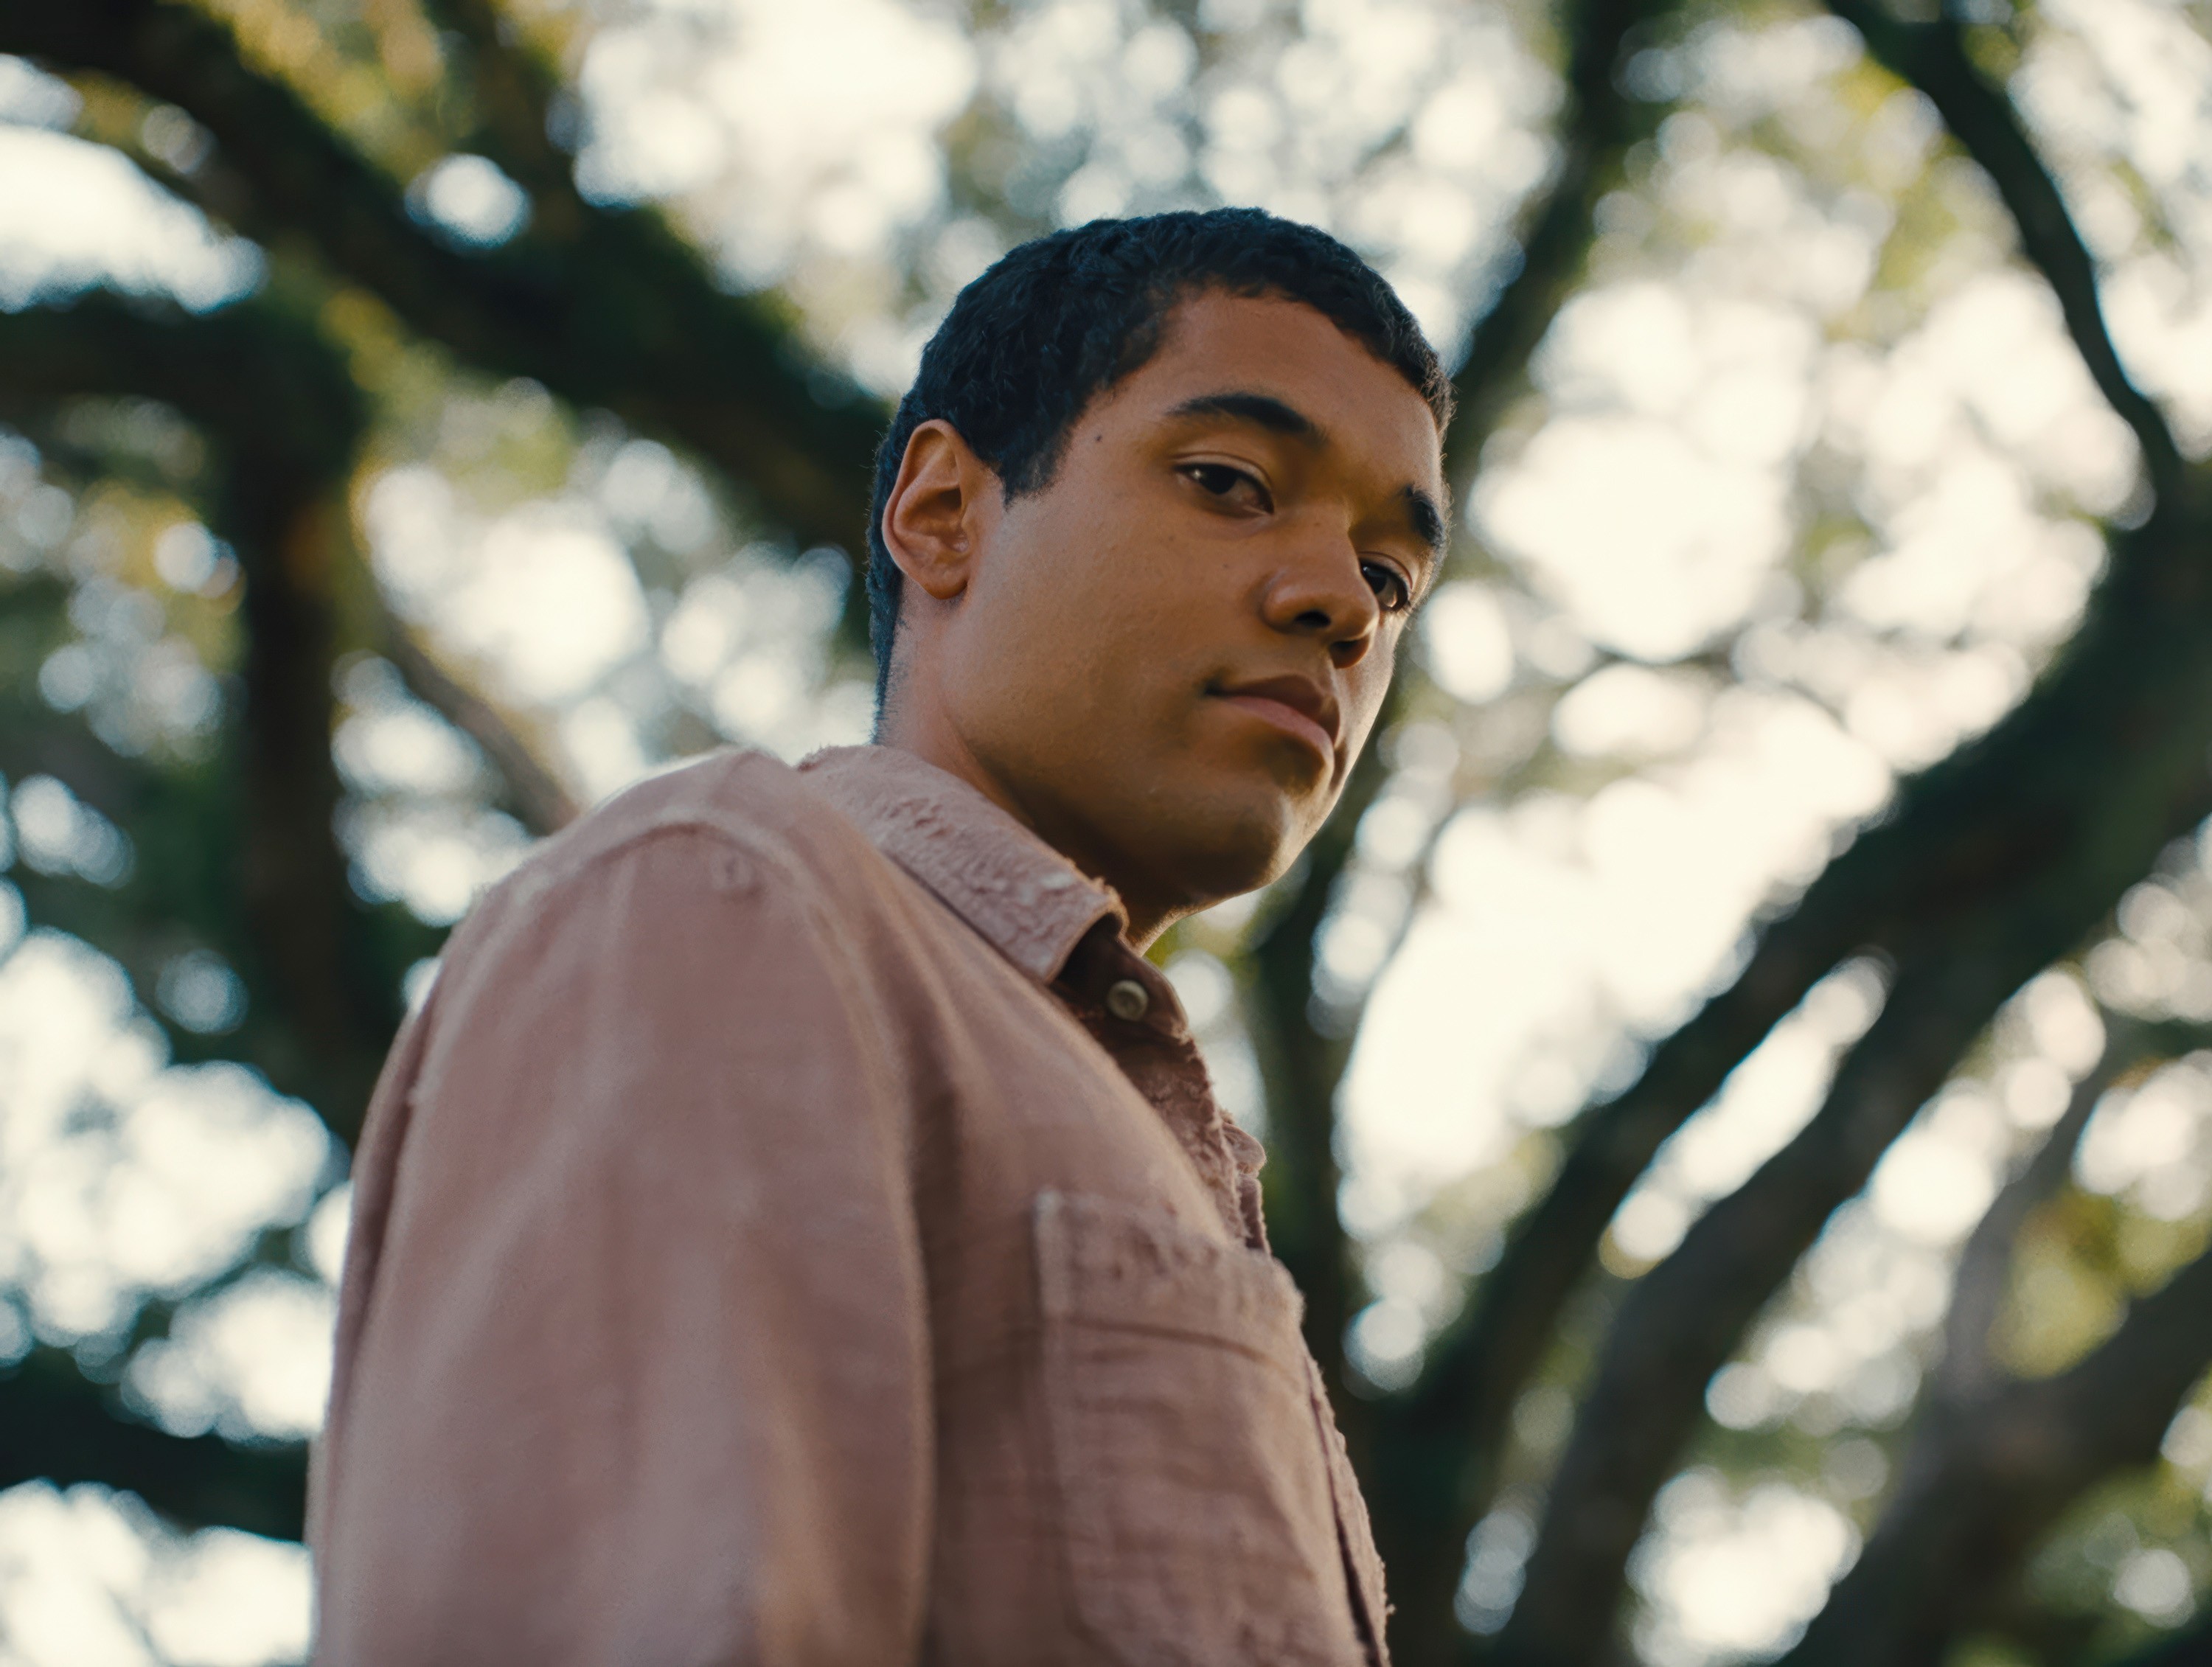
[937, 509]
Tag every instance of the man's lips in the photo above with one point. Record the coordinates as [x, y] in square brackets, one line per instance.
[1293, 705]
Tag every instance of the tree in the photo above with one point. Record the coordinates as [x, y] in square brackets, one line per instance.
[454, 292]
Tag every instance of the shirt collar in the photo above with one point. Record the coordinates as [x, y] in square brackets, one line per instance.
[1029, 902]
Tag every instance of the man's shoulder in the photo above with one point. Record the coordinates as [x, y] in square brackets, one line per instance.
[731, 803]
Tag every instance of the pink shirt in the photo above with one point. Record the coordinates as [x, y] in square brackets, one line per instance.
[798, 1229]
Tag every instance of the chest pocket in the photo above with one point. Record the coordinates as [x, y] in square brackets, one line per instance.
[1195, 1489]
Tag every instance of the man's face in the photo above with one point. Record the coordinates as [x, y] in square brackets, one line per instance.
[1166, 661]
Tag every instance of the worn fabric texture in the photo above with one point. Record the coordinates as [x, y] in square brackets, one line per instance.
[798, 1229]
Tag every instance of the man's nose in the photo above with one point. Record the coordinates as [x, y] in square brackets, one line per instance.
[1321, 592]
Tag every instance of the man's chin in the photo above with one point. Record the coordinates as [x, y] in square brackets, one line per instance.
[1222, 851]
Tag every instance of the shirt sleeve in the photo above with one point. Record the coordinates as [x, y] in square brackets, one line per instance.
[633, 1359]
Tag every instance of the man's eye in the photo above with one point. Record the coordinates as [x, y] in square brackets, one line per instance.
[1389, 586]
[1221, 481]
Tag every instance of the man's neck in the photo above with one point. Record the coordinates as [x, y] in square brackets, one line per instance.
[939, 743]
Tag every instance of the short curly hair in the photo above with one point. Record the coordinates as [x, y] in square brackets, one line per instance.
[1032, 341]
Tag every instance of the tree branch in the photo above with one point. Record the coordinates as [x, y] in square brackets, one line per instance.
[534, 791]
[1302, 1065]
[1994, 1475]
[514, 93]
[279, 404]
[1932, 56]
[281, 408]
[284, 410]
[1994, 1460]
[286, 417]
[1978, 903]
[1678, 1325]
[605, 306]
[1444, 1443]
[1966, 1370]
[1597, 125]
[278, 400]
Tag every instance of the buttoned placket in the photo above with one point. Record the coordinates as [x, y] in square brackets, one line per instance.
[1131, 1007]
[1064, 930]
[1133, 1010]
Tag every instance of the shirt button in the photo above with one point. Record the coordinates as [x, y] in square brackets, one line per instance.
[1127, 999]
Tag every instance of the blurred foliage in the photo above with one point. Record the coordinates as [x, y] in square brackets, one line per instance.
[1815, 717]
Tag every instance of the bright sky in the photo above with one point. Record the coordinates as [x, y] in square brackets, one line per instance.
[1718, 732]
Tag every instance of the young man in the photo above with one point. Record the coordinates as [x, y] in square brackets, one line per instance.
[798, 1228]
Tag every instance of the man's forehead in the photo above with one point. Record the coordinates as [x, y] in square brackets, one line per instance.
[1303, 381]
[1286, 367]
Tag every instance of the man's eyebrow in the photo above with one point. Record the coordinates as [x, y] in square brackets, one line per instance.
[1263, 409]
[1272, 413]
[1428, 521]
